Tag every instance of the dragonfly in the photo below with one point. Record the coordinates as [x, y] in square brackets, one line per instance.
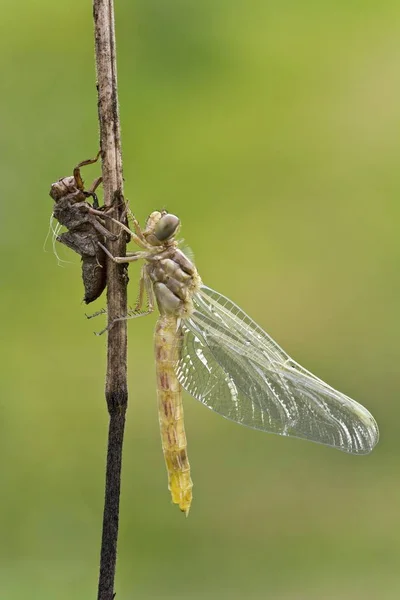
[205, 344]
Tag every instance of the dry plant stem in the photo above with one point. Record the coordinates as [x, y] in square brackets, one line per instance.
[116, 378]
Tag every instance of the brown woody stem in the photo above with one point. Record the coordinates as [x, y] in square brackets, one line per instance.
[116, 377]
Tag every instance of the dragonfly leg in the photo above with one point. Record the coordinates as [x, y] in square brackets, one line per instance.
[139, 301]
[137, 228]
[132, 314]
[133, 236]
[144, 286]
[130, 257]
[103, 311]
[136, 236]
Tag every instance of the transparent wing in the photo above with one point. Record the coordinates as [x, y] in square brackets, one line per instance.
[233, 367]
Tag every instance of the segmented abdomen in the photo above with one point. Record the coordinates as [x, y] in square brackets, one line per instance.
[170, 409]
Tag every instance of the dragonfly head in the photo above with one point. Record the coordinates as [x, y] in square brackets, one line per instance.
[161, 227]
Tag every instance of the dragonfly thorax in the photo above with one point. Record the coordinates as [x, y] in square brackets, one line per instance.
[175, 280]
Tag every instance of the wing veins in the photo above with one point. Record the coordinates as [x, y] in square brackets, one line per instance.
[233, 367]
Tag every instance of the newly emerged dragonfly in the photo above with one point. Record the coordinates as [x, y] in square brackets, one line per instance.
[207, 345]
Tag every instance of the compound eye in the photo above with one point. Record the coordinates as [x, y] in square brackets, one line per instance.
[166, 227]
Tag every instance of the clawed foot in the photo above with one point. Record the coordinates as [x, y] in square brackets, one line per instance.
[103, 311]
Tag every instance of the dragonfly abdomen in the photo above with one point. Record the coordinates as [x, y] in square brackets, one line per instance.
[170, 409]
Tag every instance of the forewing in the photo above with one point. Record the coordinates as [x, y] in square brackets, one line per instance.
[233, 367]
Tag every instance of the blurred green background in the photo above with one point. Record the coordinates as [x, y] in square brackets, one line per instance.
[272, 129]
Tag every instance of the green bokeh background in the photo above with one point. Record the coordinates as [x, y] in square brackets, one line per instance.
[272, 129]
